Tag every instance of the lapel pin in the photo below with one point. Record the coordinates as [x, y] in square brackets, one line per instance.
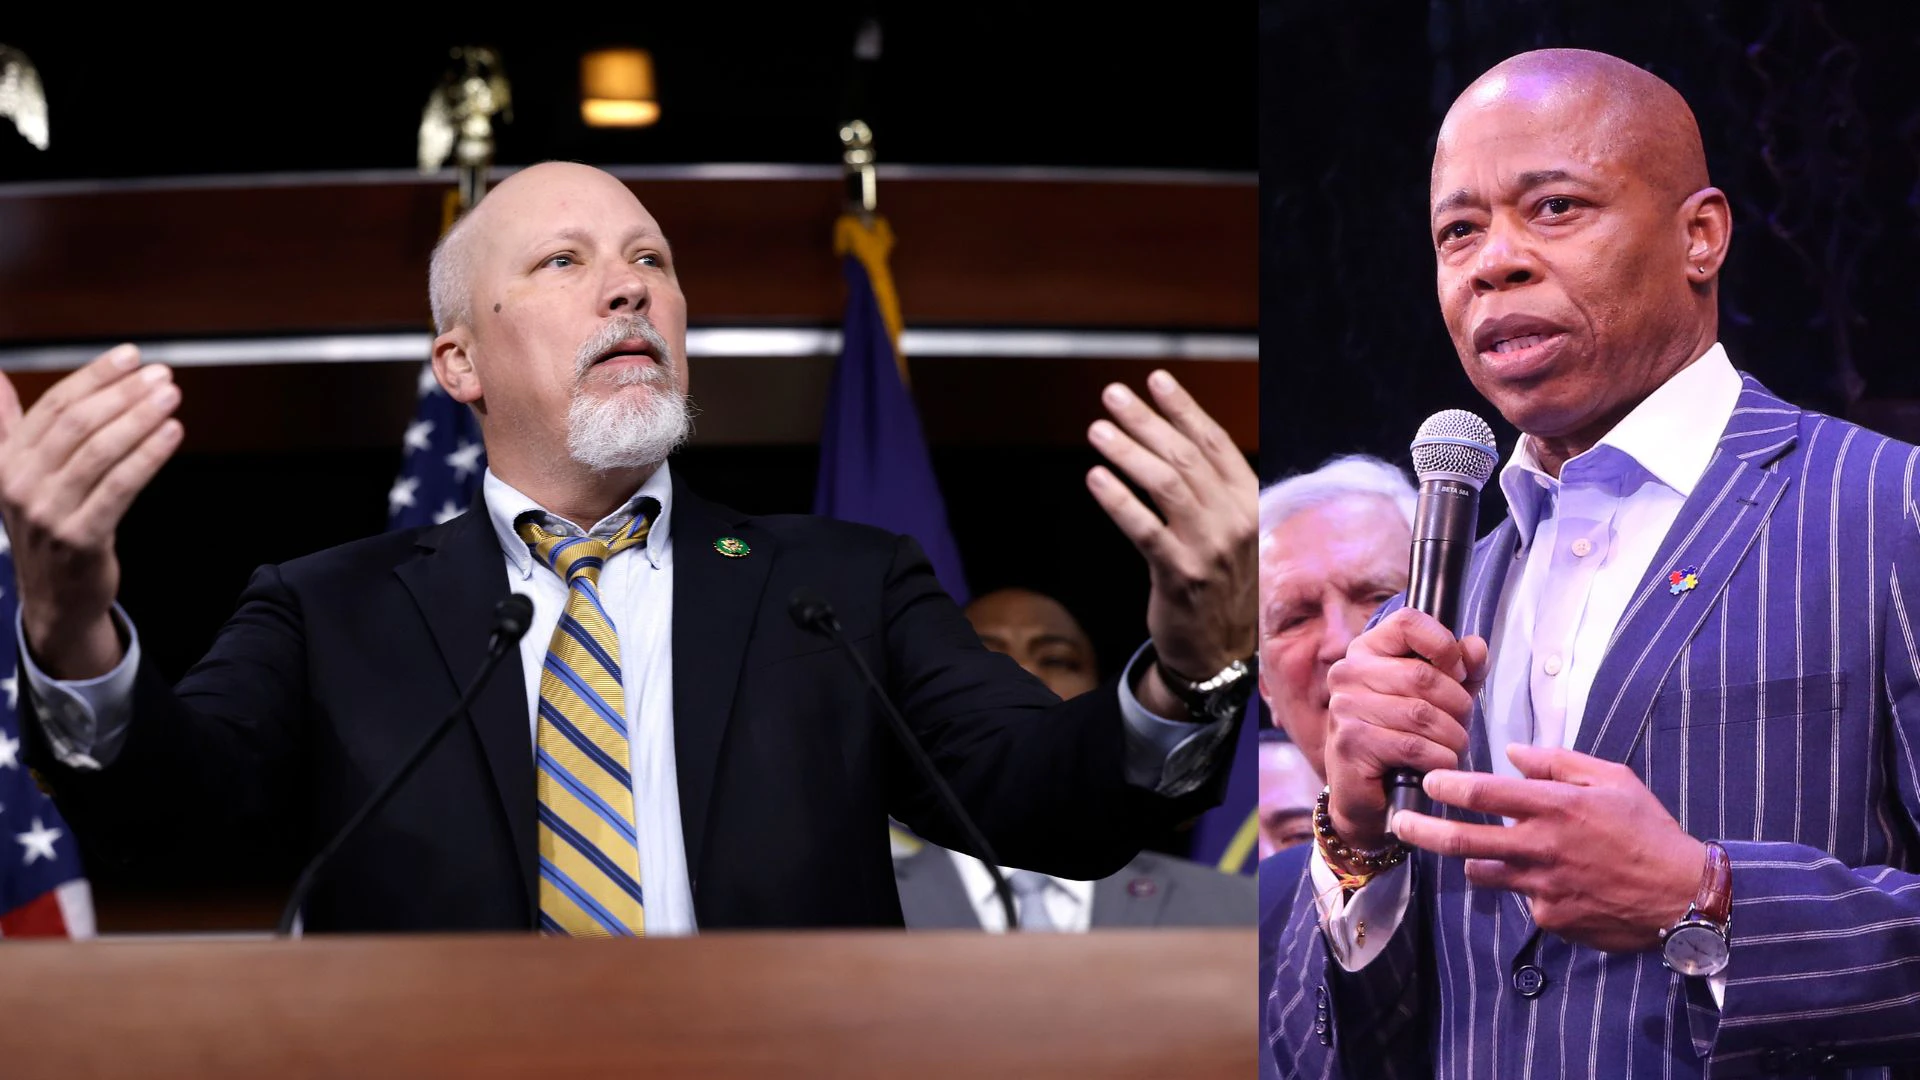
[1683, 580]
[1140, 888]
[732, 547]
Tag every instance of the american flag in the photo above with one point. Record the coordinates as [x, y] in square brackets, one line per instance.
[42, 890]
[442, 460]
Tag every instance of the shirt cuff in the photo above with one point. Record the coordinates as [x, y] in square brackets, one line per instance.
[1168, 757]
[85, 720]
[1358, 928]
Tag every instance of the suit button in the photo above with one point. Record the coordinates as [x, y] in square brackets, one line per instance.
[1529, 981]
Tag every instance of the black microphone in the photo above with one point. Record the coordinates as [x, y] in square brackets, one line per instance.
[812, 613]
[511, 617]
[1453, 456]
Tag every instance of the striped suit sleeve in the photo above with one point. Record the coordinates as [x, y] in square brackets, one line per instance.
[1323, 1021]
[1825, 956]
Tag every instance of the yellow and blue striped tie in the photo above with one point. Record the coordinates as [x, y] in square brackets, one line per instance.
[589, 856]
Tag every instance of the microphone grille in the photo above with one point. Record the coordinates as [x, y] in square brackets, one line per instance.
[1455, 444]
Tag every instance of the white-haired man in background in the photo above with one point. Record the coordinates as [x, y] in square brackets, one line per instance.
[1333, 548]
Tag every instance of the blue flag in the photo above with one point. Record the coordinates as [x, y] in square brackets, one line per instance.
[874, 465]
[443, 460]
[1227, 836]
[42, 890]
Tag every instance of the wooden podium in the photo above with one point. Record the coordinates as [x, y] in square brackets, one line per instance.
[1149, 1003]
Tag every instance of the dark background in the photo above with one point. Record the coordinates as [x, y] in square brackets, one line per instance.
[984, 83]
[1810, 114]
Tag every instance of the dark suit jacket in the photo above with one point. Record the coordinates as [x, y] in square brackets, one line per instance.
[336, 665]
[1774, 707]
[1283, 883]
[1151, 890]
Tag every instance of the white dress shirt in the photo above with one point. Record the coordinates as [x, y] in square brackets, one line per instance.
[1069, 903]
[1586, 544]
[86, 720]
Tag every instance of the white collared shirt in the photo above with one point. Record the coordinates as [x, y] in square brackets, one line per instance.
[1069, 903]
[1587, 542]
[636, 588]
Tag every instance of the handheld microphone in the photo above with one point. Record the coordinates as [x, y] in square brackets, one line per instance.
[511, 617]
[1453, 457]
[812, 613]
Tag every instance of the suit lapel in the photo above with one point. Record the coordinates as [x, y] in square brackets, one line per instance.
[716, 600]
[456, 583]
[1133, 897]
[1713, 533]
[1485, 582]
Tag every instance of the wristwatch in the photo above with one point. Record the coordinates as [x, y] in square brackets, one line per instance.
[1217, 697]
[1697, 944]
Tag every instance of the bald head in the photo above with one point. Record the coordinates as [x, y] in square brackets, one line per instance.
[1577, 242]
[450, 271]
[1040, 634]
[1633, 116]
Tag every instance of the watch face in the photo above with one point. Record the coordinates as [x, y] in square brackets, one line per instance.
[1695, 949]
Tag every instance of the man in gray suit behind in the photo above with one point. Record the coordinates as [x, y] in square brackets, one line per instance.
[946, 890]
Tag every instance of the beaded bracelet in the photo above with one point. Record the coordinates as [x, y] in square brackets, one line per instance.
[1353, 866]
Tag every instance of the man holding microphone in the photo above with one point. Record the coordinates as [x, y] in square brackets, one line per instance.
[1672, 816]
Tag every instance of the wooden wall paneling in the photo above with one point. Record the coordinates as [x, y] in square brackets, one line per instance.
[333, 256]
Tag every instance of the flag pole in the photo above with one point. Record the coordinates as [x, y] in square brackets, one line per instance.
[442, 457]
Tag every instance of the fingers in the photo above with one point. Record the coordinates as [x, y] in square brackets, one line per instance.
[1390, 710]
[1146, 427]
[1149, 469]
[154, 398]
[50, 439]
[1395, 734]
[1494, 874]
[1565, 766]
[1502, 796]
[1408, 632]
[1473, 652]
[109, 498]
[9, 407]
[102, 371]
[1201, 429]
[1459, 839]
[1364, 680]
[1140, 524]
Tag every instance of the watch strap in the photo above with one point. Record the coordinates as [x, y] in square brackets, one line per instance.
[1714, 901]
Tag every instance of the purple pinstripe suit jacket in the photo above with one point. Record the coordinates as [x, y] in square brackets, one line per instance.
[1775, 708]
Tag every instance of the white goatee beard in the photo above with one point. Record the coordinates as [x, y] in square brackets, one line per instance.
[627, 431]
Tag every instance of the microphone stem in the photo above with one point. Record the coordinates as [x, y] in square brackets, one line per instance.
[311, 874]
[925, 764]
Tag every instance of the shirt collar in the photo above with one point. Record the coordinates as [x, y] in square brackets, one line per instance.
[505, 506]
[979, 884]
[1671, 436]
